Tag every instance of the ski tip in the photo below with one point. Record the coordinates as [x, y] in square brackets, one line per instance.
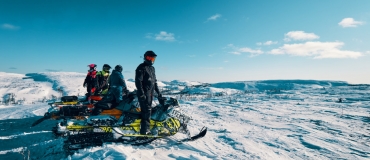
[38, 121]
[201, 134]
[34, 124]
[203, 131]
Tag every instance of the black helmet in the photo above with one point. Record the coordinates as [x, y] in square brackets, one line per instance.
[149, 57]
[106, 67]
[118, 68]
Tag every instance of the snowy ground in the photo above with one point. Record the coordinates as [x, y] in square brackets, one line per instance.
[287, 119]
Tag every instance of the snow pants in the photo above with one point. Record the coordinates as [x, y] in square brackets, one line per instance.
[146, 111]
[116, 91]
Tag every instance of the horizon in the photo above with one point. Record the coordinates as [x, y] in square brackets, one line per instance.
[194, 40]
[177, 80]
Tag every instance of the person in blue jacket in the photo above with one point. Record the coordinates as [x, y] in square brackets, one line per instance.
[117, 84]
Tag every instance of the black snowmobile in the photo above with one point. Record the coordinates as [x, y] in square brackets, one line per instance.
[106, 121]
[70, 107]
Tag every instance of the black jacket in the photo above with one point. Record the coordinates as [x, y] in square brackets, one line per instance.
[145, 80]
[90, 79]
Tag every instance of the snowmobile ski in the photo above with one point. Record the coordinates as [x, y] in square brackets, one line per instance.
[201, 134]
[46, 116]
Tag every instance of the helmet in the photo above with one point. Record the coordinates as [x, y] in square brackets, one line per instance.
[149, 57]
[92, 66]
[106, 67]
[118, 68]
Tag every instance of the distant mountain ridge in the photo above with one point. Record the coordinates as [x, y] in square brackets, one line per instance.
[70, 83]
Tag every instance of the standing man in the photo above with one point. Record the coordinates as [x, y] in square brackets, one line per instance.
[117, 84]
[146, 83]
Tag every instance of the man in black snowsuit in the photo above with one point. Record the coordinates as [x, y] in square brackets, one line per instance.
[146, 84]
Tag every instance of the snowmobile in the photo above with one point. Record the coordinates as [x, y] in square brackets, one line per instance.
[107, 121]
[69, 107]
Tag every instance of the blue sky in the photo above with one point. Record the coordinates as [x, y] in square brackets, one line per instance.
[197, 40]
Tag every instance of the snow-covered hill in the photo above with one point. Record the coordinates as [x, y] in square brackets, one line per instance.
[269, 119]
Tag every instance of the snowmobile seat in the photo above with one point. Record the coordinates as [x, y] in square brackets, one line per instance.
[129, 105]
[112, 112]
[69, 99]
[96, 98]
[72, 110]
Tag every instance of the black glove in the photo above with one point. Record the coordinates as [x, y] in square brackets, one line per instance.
[126, 92]
[161, 99]
[143, 97]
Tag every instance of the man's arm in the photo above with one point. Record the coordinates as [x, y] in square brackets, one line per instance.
[156, 85]
[157, 89]
[139, 76]
[109, 80]
[85, 82]
[98, 79]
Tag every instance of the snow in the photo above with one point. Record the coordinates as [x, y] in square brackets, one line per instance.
[266, 119]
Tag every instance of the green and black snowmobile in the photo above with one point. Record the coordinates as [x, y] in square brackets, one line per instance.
[93, 124]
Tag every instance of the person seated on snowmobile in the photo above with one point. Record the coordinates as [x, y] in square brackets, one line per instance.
[117, 84]
[102, 80]
[90, 81]
[117, 87]
[146, 84]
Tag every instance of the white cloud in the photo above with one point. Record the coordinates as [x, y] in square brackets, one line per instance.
[267, 43]
[248, 50]
[214, 17]
[9, 26]
[149, 35]
[164, 36]
[238, 50]
[236, 53]
[300, 35]
[367, 52]
[349, 22]
[161, 36]
[211, 55]
[317, 50]
[230, 46]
